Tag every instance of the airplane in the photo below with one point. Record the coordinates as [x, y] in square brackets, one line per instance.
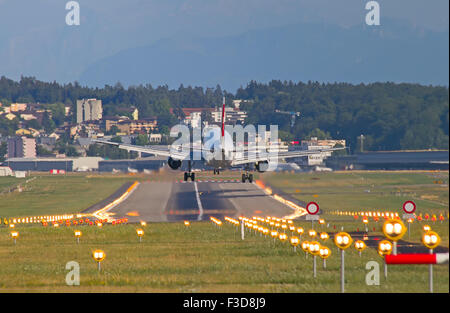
[225, 158]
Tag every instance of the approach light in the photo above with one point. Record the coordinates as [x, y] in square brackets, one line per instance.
[324, 252]
[343, 240]
[426, 228]
[314, 248]
[283, 237]
[99, 256]
[394, 229]
[305, 246]
[140, 233]
[312, 233]
[360, 245]
[431, 239]
[294, 241]
[324, 236]
[384, 248]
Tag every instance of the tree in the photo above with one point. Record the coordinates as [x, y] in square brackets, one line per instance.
[319, 134]
[3, 151]
[117, 139]
[41, 151]
[113, 130]
[141, 140]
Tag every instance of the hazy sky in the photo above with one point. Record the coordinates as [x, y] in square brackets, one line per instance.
[34, 39]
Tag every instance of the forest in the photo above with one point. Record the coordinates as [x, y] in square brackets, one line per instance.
[390, 116]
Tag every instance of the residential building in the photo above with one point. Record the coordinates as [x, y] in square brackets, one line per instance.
[155, 138]
[10, 116]
[21, 147]
[110, 121]
[17, 107]
[315, 144]
[232, 115]
[89, 110]
[146, 126]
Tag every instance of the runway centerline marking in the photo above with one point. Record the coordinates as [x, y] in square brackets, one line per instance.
[199, 202]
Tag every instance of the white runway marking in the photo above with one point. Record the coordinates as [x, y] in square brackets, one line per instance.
[199, 202]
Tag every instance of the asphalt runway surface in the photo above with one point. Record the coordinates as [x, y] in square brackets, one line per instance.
[171, 201]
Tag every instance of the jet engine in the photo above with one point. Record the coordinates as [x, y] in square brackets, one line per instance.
[262, 166]
[174, 164]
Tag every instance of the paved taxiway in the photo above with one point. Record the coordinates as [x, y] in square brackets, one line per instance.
[162, 201]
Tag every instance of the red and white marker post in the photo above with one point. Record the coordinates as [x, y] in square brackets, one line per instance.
[409, 207]
[417, 258]
[312, 208]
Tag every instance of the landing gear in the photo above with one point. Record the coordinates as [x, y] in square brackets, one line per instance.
[217, 171]
[248, 177]
[189, 174]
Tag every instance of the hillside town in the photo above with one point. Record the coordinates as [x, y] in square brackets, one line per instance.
[41, 144]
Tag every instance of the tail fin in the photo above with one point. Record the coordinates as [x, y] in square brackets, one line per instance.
[222, 137]
[223, 117]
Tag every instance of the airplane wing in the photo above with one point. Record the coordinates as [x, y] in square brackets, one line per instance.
[155, 150]
[274, 156]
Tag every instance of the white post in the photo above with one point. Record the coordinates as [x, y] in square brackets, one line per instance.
[342, 271]
[242, 230]
[431, 274]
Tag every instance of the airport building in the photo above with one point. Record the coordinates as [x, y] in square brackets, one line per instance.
[392, 160]
[83, 164]
[139, 165]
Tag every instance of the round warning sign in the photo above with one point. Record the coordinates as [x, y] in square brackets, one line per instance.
[312, 208]
[409, 207]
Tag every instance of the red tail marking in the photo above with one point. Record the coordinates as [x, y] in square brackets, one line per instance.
[223, 117]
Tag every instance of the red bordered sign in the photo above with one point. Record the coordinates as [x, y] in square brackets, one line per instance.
[312, 208]
[409, 207]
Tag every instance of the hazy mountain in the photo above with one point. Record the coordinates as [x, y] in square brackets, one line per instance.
[391, 52]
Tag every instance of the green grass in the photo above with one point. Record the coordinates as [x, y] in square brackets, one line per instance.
[203, 258]
[367, 190]
[51, 194]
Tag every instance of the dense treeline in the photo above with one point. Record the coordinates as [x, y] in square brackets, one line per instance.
[390, 116]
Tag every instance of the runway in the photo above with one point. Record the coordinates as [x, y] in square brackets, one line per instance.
[165, 201]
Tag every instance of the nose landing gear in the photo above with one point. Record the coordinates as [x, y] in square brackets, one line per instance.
[246, 176]
[189, 174]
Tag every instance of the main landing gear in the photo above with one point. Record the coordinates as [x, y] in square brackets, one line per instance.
[189, 174]
[246, 176]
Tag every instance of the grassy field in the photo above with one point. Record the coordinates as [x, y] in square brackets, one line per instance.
[205, 258]
[51, 194]
[367, 190]
[364, 191]
[171, 258]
